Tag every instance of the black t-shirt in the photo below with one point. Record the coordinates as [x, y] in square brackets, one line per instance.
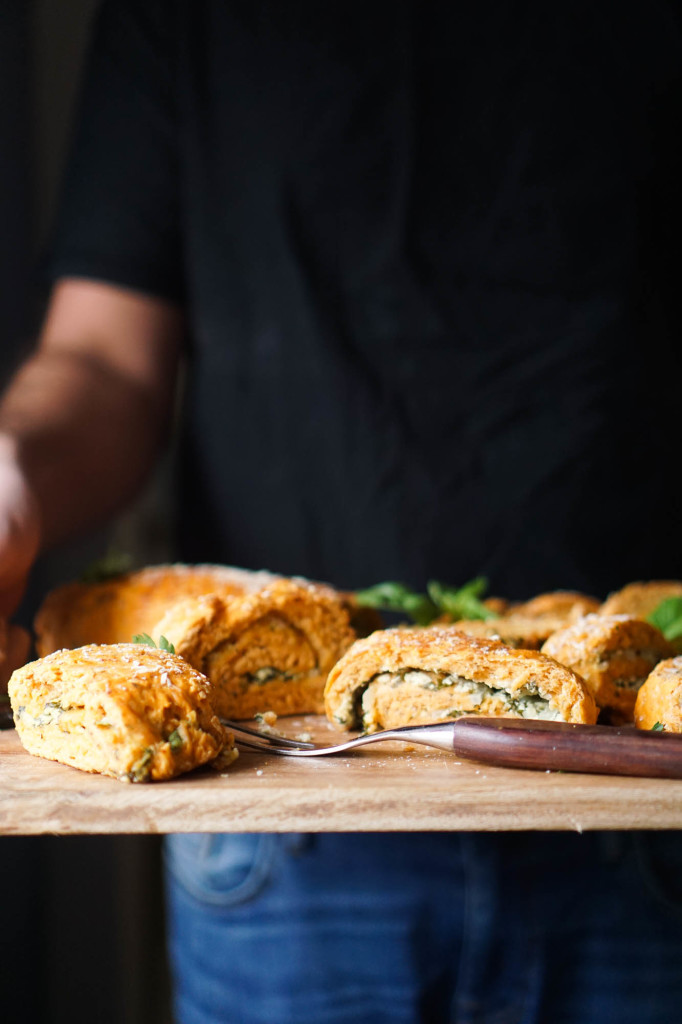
[428, 252]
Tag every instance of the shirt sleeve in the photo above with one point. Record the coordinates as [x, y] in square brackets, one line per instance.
[119, 218]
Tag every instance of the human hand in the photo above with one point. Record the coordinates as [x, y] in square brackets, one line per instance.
[19, 530]
[19, 543]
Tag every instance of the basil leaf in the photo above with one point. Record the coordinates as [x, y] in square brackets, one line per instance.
[667, 617]
[657, 727]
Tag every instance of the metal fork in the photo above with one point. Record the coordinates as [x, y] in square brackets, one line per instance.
[512, 743]
[439, 735]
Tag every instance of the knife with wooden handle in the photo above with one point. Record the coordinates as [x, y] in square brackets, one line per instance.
[560, 746]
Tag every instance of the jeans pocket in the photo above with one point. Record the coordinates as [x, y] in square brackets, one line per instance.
[221, 870]
[659, 860]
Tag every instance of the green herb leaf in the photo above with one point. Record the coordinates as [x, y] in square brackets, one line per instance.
[397, 597]
[461, 602]
[658, 727]
[163, 644]
[114, 563]
[667, 617]
[144, 638]
[166, 645]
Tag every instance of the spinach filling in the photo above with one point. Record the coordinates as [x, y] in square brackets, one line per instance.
[51, 713]
[264, 675]
[526, 702]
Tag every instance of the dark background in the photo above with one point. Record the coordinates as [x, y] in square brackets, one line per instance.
[81, 919]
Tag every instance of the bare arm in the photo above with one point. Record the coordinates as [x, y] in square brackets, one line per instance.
[83, 419]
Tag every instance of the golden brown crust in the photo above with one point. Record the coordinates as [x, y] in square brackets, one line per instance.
[267, 651]
[562, 606]
[659, 700]
[513, 630]
[640, 599]
[410, 676]
[125, 710]
[614, 654]
[497, 605]
[114, 610]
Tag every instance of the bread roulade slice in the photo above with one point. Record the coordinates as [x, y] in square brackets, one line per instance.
[659, 698]
[411, 676]
[125, 710]
[614, 654]
[640, 599]
[270, 651]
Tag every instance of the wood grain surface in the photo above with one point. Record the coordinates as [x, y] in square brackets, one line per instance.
[377, 788]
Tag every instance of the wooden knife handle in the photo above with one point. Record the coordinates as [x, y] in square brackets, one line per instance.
[561, 746]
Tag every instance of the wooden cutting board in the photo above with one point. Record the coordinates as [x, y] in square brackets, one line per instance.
[377, 788]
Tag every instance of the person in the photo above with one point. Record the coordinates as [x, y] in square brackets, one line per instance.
[412, 264]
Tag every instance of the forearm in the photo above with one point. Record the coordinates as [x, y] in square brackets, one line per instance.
[84, 436]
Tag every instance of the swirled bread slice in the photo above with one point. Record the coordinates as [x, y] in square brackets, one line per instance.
[125, 710]
[659, 698]
[270, 651]
[410, 676]
[614, 654]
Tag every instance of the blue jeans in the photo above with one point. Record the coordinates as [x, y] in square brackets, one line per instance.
[514, 928]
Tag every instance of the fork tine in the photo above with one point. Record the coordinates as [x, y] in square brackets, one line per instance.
[266, 739]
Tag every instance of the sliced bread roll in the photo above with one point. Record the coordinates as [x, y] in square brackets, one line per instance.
[270, 651]
[125, 710]
[411, 676]
[659, 698]
[614, 654]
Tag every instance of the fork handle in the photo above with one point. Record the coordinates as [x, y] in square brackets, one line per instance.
[563, 746]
